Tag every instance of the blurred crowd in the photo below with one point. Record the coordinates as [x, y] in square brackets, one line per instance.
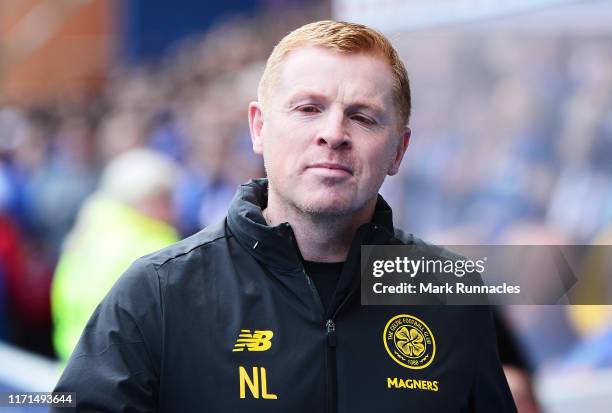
[510, 129]
[512, 143]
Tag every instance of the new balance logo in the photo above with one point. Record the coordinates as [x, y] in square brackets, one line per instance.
[259, 340]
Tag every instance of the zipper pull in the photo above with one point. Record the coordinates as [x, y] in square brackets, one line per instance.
[331, 333]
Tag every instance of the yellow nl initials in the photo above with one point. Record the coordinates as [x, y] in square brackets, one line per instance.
[259, 376]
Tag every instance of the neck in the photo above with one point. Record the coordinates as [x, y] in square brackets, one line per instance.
[320, 238]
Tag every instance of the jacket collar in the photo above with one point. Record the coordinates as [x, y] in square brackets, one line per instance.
[275, 246]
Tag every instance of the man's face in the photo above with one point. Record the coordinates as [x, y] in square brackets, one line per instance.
[329, 133]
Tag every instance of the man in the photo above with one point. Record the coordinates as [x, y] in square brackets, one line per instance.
[261, 312]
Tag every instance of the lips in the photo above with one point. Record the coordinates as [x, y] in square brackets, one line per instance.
[331, 166]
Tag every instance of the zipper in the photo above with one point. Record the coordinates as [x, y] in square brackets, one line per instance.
[331, 366]
[331, 333]
[330, 353]
[330, 328]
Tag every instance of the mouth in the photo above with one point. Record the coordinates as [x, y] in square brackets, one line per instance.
[331, 168]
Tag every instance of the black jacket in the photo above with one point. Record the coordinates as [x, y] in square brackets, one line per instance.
[228, 321]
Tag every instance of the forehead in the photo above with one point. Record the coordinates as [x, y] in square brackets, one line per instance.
[345, 76]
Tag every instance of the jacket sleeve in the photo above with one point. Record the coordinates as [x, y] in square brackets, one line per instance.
[490, 391]
[115, 365]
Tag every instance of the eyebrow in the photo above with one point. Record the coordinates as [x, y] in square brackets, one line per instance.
[305, 94]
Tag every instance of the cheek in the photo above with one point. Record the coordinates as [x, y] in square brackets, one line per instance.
[390, 154]
[379, 159]
[283, 145]
[376, 167]
[279, 158]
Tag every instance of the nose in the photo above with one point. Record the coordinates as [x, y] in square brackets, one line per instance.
[333, 132]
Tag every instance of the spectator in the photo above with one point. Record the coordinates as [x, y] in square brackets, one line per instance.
[129, 216]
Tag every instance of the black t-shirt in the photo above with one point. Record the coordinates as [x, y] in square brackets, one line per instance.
[325, 276]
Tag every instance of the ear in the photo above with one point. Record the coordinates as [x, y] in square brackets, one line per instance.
[255, 126]
[400, 150]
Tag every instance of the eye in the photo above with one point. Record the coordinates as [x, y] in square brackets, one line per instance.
[308, 109]
[363, 119]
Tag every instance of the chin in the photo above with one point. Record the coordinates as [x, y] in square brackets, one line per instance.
[328, 204]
